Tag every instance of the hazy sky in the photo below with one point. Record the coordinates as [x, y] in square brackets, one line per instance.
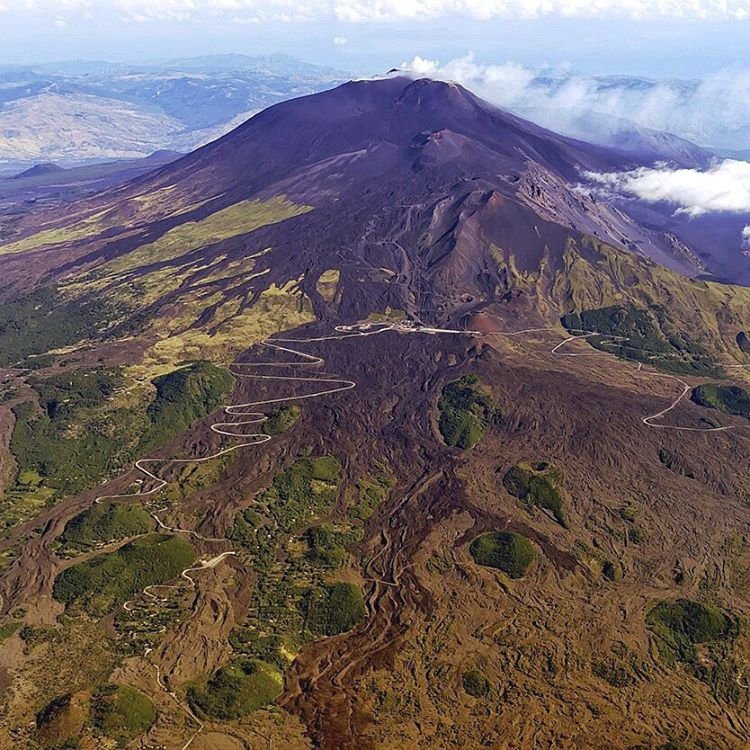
[650, 37]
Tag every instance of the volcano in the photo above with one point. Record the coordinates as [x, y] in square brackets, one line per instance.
[417, 177]
[371, 426]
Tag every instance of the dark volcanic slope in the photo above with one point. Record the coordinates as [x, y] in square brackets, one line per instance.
[403, 175]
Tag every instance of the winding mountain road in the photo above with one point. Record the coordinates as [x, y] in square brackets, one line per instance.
[648, 420]
[249, 417]
[250, 438]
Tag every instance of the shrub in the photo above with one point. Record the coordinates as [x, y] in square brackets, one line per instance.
[504, 550]
[122, 713]
[614, 671]
[535, 488]
[475, 683]
[636, 535]
[465, 412]
[612, 571]
[730, 399]
[333, 609]
[60, 723]
[675, 463]
[236, 690]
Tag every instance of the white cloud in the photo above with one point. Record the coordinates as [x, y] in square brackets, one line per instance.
[421, 67]
[724, 187]
[713, 112]
[746, 237]
[380, 10]
[340, 41]
[395, 10]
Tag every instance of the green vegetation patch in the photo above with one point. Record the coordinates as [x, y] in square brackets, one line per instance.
[81, 433]
[241, 218]
[292, 553]
[730, 399]
[642, 335]
[236, 690]
[326, 547]
[182, 397]
[41, 320]
[466, 411]
[475, 683]
[281, 419]
[122, 713]
[64, 394]
[681, 624]
[306, 489]
[9, 628]
[106, 581]
[371, 491]
[536, 485]
[106, 522]
[333, 608]
[76, 437]
[505, 550]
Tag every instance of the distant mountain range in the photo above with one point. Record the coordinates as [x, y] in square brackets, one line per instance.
[79, 111]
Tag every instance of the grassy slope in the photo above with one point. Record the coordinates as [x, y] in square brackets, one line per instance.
[236, 690]
[106, 581]
[81, 433]
[241, 218]
[465, 412]
[504, 550]
[106, 522]
[594, 275]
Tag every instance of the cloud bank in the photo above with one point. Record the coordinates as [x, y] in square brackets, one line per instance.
[723, 188]
[357, 11]
[714, 111]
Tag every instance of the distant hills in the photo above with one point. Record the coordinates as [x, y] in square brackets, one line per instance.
[78, 111]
